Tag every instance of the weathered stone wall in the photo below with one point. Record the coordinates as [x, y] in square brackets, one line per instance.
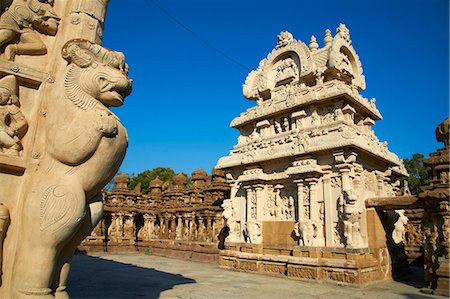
[171, 220]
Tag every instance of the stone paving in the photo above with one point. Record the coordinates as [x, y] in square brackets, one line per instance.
[117, 276]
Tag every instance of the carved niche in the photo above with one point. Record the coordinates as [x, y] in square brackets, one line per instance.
[291, 61]
[344, 61]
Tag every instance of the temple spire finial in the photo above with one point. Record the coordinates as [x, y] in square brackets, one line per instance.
[313, 45]
[328, 38]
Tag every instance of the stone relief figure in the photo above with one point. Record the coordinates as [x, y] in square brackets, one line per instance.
[278, 207]
[84, 146]
[398, 234]
[230, 215]
[115, 229]
[201, 231]
[252, 232]
[286, 71]
[284, 38]
[352, 219]
[129, 229]
[22, 21]
[305, 231]
[144, 231]
[12, 121]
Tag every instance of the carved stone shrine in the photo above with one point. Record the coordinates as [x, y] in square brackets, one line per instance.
[420, 232]
[305, 161]
[59, 142]
[172, 220]
[436, 220]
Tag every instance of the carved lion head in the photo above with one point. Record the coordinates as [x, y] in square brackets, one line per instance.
[100, 73]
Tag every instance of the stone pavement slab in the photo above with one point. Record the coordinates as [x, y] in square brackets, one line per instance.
[120, 276]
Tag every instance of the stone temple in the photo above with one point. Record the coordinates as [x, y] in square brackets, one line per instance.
[305, 162]
[308, 192]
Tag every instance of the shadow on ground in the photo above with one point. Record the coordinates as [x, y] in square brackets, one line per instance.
[93, 277]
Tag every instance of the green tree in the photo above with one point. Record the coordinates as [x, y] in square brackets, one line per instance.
[418, 173]
[165, 174]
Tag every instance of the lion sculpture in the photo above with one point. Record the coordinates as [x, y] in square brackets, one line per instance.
[84, 146]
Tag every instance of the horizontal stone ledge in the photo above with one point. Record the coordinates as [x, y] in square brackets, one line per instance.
[12, 165]
[393, 202]
[25, 72]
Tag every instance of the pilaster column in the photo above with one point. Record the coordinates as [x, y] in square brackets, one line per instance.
[249, 191]
[209, 229]
[300, 211]
[328, 206]
[380, 183]
[185, 228]
[313, 204]
[259, 201]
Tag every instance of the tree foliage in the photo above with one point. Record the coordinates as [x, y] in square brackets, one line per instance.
[165, 174]
[418, 173]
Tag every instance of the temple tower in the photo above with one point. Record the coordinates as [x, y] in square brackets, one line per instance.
[307, 157]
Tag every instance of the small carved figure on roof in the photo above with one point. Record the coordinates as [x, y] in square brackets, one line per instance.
[284, 38]
[21, 22]
[12, 121]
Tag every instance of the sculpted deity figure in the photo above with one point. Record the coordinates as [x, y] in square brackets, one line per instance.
[398, 234]
[306, 232]
[352, 220]
[12, 121]
[115, 228]
[129, 230]
[84, 146]
[252, 232]
[22, 21]
[229, 215]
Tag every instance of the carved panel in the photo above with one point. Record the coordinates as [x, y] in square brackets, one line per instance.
[28, 18]
[302, 272]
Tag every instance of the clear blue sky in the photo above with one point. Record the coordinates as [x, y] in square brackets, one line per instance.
[185, 93]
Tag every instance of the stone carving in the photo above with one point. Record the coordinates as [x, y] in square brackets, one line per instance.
[314, 132]
[284, 38]
[230, 215]
[352, 220]
[286, 71]
[305, 231]
[279, 207]
[398, 234]
[65, 201]
[309, 232]
[115, 229]
[22, 22]
[252, 232]
[12, 121]
[129, 230]
[345, 60]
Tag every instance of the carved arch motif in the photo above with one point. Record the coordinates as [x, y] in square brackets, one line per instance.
[293, 62]
[343, 58]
